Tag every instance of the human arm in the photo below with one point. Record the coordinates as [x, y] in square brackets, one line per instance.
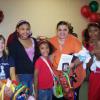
[12, 78]
[36, 83]
[12, 73]
[82, 53]
[1, 84]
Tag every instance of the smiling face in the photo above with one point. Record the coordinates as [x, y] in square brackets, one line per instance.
[62, 31]
[93, 32]
[44, 49]
[23, 31]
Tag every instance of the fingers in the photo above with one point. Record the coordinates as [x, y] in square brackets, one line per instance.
[8, 91]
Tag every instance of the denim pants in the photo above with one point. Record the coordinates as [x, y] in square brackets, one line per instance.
[26, 79]
[45, 94]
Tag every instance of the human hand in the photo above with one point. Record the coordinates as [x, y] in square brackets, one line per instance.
[35, 97]
[71, 65]
[8, 91]
[31, 98]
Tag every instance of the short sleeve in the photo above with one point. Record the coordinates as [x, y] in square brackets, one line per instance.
[38, 65]
[11, 61]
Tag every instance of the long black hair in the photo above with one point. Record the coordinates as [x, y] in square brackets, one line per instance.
[46, 41]
[86, 37]
[93, 24]
[22, 22]
[14, 36]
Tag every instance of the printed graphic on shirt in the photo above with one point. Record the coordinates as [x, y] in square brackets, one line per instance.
[4, 70]
[2, 73]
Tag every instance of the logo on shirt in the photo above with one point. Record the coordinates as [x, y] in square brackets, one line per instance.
[2, 73]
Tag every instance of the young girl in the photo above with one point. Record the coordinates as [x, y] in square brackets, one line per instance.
[7, 67]
[90, 34]
[94, 79]
[23, 48]
[43, 79]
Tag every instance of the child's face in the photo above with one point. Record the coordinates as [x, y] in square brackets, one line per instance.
[44, 49]
[23, 31]
[2, 45]
[93, 32]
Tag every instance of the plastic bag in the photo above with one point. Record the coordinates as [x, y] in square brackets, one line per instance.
[57, 89]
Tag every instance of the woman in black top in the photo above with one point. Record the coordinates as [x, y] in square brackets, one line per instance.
[23, 48]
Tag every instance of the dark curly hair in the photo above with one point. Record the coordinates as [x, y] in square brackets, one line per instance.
[45, 41]
[86, 32]
[86, 37]
[93, 24]
[67, 24]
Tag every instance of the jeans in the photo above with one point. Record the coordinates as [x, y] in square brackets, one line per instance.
[45, 94]
[26, 79]
[62, 98]
[76, 93]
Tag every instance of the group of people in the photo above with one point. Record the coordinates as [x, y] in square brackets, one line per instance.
[33, 62]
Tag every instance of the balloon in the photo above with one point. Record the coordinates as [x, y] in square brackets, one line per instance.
[85, 11]
[94, 5]
[93, 17]
[1, 16]
[98, 15]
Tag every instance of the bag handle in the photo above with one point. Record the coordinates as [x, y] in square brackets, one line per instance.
[48, 66]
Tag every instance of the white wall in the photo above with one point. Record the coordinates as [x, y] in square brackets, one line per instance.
[43, 15]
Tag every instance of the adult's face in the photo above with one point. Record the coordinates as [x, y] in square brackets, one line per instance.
[62, 31]
[23, 31]
[93, 32]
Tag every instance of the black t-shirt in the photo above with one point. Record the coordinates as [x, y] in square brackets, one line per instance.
[5, 64]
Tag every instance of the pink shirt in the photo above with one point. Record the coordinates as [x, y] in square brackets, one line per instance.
[45, 79]
[30, 51]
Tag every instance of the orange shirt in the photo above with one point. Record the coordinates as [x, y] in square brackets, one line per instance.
[71, 45]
